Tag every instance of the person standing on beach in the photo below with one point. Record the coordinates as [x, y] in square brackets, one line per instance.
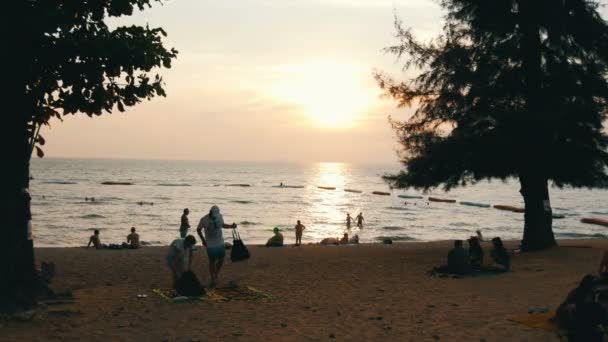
[213, 223]
[185, 224]
[349, 220]
[299, 230]
[360, 220]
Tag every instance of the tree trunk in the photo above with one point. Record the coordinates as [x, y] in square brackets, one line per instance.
[535, 139]
[17, 267]
[538, 217]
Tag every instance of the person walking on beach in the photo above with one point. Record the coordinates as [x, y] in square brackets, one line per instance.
[213, 223]
[299, 228]
[179, 258]
[349, 220]
[185, 224]
[360, 220]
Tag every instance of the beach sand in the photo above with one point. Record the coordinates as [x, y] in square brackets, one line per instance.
[356, 293]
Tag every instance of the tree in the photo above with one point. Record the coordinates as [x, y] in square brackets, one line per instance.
[510, 88]
[62, 58]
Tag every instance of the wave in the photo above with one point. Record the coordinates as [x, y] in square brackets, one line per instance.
[398, 208]
[165, 198]
[600, 212]
[173, 184]
[92, 216]
[249, 223]
[395, 238]
[392, 228]
[60, 182]
[581, 235]
[242, 202]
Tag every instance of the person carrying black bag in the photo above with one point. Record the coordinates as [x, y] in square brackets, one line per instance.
[213, 239]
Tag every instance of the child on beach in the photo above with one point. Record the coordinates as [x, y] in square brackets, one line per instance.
[299, 228]
[179, 258]
[133, 239]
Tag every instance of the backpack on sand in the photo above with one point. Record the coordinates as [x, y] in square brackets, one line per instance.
[239, 250]
[189, 286]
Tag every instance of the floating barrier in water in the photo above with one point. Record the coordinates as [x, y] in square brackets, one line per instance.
[410, 196]
[595, 220]
[475, 204]
[241, 185]
[327, 187]
[173, 184]
[382, 193]
[353, 191]
[445, 200]
[509, 208]
[116, 183]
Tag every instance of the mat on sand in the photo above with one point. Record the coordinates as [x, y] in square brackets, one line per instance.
[542, 321]
[222, 294]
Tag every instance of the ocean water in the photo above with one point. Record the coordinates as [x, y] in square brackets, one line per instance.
[62, 217]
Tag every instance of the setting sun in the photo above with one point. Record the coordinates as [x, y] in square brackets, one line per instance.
[331, 95]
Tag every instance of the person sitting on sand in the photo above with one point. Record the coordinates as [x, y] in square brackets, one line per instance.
[330, 241]
[133, 239]
[94, 239]
[299, 228]
[475, 253]
[344, 239]
[276, 240]
[604, 265]
[502, 261]
[458, 259]
[354, 240]
[179, 258]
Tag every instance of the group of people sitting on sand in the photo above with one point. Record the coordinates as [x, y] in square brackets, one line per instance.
[463, 261]
[277, 240]
[132, 241]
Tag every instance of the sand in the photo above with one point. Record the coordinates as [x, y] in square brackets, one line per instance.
[354, 293]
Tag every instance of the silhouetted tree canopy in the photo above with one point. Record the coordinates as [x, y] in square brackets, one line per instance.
[485, 109]
[80, 65]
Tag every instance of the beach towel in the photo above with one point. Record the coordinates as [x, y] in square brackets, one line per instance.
[222, 294]
[542, 321]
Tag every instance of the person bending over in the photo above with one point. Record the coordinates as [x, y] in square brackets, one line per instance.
[179, 258]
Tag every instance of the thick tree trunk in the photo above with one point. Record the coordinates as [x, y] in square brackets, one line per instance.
[538, 217]
[17, 268]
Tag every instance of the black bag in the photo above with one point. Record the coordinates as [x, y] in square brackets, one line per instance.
[188, 285]
[239, 250]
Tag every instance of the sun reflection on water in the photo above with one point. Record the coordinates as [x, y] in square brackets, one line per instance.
[328, 208]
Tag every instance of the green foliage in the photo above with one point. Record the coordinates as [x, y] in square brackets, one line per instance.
[79, 65]
[509, 86]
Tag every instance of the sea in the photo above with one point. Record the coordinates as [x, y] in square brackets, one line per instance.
[64, 215]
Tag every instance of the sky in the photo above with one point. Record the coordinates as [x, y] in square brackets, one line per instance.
[261, 80]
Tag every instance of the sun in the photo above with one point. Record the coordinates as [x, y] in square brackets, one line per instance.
[330, 95]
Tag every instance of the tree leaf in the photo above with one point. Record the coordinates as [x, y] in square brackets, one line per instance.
[39, 152]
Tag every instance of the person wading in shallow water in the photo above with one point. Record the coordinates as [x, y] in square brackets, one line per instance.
[349, 221]
[213, 239]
